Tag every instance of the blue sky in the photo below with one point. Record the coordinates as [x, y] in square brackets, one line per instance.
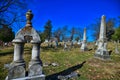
[77, 13]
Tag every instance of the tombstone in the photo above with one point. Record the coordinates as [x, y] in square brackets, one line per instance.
[84, 42]
[102, 52]
[79, 42]
[55, 42]
[17, 68]
[65, 46]
[116, 47]
[46, 40]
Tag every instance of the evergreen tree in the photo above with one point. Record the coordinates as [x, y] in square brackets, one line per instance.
[116, 35]
[48, 30]
[110, 28]
[6, 33]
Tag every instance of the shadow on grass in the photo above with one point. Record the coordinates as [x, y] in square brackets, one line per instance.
[64, 72]
[6, 53]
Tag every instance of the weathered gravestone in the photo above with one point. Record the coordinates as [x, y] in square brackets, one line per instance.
[102, 51]
[116, 47]
[65, 46]
[17, 68]
[84, 42]
[34, 70]
[16, 72]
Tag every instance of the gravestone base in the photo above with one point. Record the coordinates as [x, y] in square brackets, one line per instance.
[35, 70]
[102, 54]
[84, 48]
[33, 62]
[38, 77]
[18, 63]
[16, 72]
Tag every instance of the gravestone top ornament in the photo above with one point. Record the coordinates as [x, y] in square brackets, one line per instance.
[28, 30]
[26, 34]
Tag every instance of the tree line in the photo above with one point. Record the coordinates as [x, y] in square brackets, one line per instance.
[60, 33]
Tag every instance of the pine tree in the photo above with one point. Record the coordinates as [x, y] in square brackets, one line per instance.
[48, 30]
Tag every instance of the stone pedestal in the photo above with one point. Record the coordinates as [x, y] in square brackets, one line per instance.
[35, 59]
[18, 53]
[16, 72]
[102, 52]
[17, 67]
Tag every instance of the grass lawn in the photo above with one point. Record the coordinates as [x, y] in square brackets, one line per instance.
[69, 61]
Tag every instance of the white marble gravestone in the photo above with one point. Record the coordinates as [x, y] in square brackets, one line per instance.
[102, 52]
[17, 68]
[116, 47]
[65, 46]
[84, 42]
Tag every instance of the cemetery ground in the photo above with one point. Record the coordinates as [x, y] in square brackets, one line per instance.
[83, 63]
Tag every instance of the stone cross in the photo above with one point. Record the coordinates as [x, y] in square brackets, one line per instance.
[84, 44]
[101, 51]
[17, 68]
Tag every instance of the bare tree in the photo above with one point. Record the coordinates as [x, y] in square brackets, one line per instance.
[110, 28]
[64, 32]
[11, 12]
[58, 33]
[72, 31]
[79, 33]
[96, 28]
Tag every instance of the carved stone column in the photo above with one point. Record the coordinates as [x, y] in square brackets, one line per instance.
[17, 67]
[35, 58]
[35, 65]
[18, 53]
